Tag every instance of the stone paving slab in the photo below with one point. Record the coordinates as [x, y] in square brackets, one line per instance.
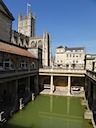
[62, 93]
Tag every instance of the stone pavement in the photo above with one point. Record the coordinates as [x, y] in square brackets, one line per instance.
[62, 93]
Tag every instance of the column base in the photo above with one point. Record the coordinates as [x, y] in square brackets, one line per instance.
[21, 106]
[51, 92]
[33, 96]
[68, 94]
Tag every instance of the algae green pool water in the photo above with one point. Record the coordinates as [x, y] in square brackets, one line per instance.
[50, 112]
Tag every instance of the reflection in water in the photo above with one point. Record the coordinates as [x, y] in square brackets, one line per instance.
[51, 103]
[68, 105]
[50, 112]
[68, 109]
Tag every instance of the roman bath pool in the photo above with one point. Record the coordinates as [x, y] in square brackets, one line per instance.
[50, 112]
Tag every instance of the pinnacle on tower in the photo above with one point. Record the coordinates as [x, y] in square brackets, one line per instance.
[29, 14]
[20, 17]
[34, 15]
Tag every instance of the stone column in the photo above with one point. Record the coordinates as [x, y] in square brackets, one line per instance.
[69, 85]
[86, 83]
[94, 97]
[94, 91]
[51, 84]
[21, 104]
[33, 96]
[36, 87]
[89, 88]
[86, 87]
[28, 84]
[1, 116]
[16, 95]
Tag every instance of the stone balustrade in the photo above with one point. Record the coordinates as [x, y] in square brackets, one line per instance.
[61, 70]
[91, 74]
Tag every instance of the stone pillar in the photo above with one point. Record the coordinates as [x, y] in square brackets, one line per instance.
[1, 116]
[36, 87]
[94, 97]
[16, 95]
[86, 84]
[69, 85]
[28, 85]
[51, 84]
[86, 87]
[33, 96]
[21, 104]
[89, 88]
[94, 91]
[16, 90]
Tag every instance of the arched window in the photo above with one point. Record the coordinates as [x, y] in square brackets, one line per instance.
[7, 64]
[40, 44]
[33, 65]
[33, 44]
[23, 65]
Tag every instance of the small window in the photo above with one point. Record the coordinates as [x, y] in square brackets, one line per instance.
[77, 55]
[23, 65]
[67, 55]
[33, 65]
[7, 64]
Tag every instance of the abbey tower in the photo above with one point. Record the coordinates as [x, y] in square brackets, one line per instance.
[26, 37]
[27, 24]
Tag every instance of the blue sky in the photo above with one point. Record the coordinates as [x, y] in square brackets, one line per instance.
[70, 22]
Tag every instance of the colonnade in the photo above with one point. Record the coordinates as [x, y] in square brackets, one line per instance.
[90, 93]
[90, 90]
[16, 93]
[52, 86]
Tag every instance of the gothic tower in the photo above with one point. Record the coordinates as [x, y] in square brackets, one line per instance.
[27, 24]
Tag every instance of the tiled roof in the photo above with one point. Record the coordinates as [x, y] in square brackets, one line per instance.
[4, 47]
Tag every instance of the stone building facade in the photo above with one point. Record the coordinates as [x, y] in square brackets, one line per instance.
[6, 19]
[91, 62]
[43, 43]
[70, 57]
[27, 24]
[18, 68]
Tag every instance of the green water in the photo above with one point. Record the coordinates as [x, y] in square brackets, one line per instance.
[50, 112]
